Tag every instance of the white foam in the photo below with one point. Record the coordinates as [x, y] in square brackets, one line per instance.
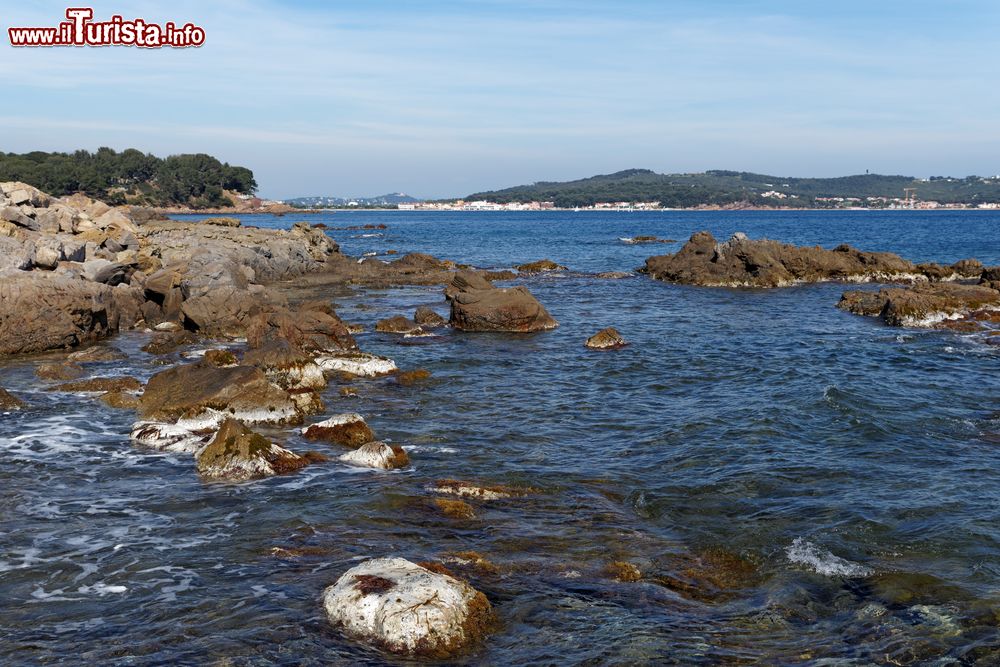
[821, 561]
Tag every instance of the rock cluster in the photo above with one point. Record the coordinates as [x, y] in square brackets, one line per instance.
[477, 305]
[743, 262]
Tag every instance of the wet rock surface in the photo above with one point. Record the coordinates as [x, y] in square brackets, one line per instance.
[377, 455]
[9, 402]
[541, 266]
[606, 339]
[349, 430]
[404, 608]
[476, 305]
[744, 262]
[937, 305]
[238, 454]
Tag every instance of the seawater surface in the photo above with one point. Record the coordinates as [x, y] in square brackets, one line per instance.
[796, 484]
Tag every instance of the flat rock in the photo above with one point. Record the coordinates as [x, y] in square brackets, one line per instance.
[404, 608]
[102, 385]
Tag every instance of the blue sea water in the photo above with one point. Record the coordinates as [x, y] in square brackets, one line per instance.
[796, 484]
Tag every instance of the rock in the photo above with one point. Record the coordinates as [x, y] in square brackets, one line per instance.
[349, 430]
[613, 275]
[242, 391]
[623, 572]
[634, 240]
[217, 298]
[101, 385]
[478, 308]
[238, 454]
[16, 255]
[103, 271]
[121, 400]
[407, 609]
[96, 353]
[428, 319]
[9, 402]
[47, 257]
[606, 339]
[407, 378]
[60, 371]
[307, 329]
[292, 370]
[377, 455]
[481, 492]
[541, 266]
[221, 358]
[14, 215]
[186, 436]
[46, 311]
[742, 262]
[165, 343]
[398, 325]
[455, 509]
[358, 363]
[222, 222]
[921, 305]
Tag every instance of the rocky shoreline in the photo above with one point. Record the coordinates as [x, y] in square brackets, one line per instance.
[74, 272]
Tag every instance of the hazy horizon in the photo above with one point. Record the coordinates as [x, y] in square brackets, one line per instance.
[443, 99]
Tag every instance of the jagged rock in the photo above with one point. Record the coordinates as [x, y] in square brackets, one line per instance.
[541, 266]
[921, 305]
[14, 215]
[606, 339]
[349, 430]
[476, 305]
[398, 325]
[9, 402]
[103, 271]
[428, 319]
[377, 455]
[242, 391]
[742, 262]
[101, 385]
[238, 454]
[404, 608]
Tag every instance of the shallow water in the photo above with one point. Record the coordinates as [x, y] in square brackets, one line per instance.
[797, 485]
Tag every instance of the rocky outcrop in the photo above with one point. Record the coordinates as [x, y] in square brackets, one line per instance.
[292, 370]
[606, 339]
[242, 392]
[742, 262]
[428, 319]
[541, 266]
[476, 305]
[349, 430]
[313, 328]
[939, 304]
[238, 454]
[377, 455]
[9, 402]
[404, 608]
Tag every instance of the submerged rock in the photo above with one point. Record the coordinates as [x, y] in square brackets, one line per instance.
[117, 384]
[9, 402]
[541, 266]
[242, 391]
[398, 325]
[407, 609]
[96, 353]
[349, 430]
[377, 455]
[606, 339]
[482, 492]
[62, 371]
[623, 571]
[476, 305]
[238, 454]
[407, 378]
[455, 509]
[743, 262]
[934, 304]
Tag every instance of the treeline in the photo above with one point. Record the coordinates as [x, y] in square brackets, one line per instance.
[729, 187]
[130, 177]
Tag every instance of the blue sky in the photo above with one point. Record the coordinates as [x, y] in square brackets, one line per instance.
[444, 98]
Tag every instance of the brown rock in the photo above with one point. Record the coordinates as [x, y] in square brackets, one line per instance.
[121, 400]
[221, 358]
[165, 343]
[397, 325]
[428, 319]
[307, 329]
[111, 384]
[623, 571]
[455, 509]
[349, 430]
[407, 378]
[921, 305]
[9, 402]
[606, 339]
[238, 454]
[478, 306]
[63, 371]
[541, 266]
[96, 353]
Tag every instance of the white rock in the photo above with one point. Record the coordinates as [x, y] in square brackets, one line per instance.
[405, 608]
[376, 455]
[364, 365]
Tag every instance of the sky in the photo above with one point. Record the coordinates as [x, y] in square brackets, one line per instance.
[445, 98]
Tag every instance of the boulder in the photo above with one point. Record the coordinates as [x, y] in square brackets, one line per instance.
[292, 370]
[398, 325]
[243, 392]
[377, 455]
[349, 430]
[9, 402]
[306, 329]
[238, 454]
[103, 271]
[476, 305]
[428, 319]
[16, 255]
[742, 262]
[606, 339]
[404, 608]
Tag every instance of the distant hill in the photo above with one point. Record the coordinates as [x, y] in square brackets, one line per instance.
[131, 177]
[391, 199]
[732, 187]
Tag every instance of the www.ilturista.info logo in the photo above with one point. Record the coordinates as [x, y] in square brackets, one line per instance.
[80, 30]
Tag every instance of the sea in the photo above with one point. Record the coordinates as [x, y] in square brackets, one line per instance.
[794, 484]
